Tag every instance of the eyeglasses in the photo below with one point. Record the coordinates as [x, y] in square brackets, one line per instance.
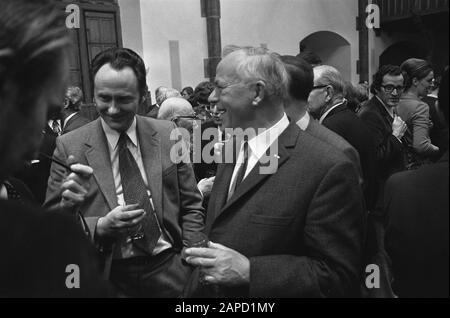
[193, 117]
[390, 88]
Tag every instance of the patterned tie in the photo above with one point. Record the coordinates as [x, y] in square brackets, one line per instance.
[135, 191]
[241, 171]
[56, 127]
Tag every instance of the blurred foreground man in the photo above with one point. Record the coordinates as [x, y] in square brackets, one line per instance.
[43, 254]
[287, 220]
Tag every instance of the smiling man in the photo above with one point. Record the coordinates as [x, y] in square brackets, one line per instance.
[138, 206]
[295, 232]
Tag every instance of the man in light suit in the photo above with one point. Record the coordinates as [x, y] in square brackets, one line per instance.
[137, 203]
[301, 81]
[292, 228]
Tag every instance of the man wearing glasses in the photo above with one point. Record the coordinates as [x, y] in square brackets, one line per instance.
[385, 126]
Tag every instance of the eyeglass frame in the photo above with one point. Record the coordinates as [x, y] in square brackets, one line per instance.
[399, 89]
[193, 117]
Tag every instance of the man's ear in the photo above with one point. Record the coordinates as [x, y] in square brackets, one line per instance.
[330, 93]
[260, 92]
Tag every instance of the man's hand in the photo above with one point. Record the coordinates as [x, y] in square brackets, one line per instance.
[398, 127]
[75, 187]
[119, 221]
[220, 265]
[205, 186]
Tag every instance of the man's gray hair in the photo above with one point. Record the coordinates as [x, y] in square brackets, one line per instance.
[74, 95]
[173, 107]
[328, 75]
[259, 64]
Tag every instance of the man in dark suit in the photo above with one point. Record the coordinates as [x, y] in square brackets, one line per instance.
[287, 219]
[417, 235]
[71, 117]
[301, 81]
[386, 128]
[138, 203]
[326, 103]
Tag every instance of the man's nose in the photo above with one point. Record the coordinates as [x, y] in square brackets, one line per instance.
[112, 108]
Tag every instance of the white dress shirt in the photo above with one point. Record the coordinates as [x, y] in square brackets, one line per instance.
[257, 147]
[304, 121]
[133, 145]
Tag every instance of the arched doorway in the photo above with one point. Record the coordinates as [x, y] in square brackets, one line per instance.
[332, 49]
[399, 52]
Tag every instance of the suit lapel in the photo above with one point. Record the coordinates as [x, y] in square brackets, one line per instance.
[149, 142]
[97, 156]
[287, 139]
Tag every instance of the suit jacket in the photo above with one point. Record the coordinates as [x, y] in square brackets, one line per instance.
[346, 123]
[389, 150]
[417, 235]
[329, 137]
[153, 112]
[176, 199]
[76, 121]
[416, 115]
[302, 226]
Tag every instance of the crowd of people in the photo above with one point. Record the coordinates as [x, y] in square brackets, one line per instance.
[324, 179]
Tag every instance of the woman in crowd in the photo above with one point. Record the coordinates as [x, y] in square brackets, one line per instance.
[415, 112]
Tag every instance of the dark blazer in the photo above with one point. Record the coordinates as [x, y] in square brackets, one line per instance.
[346, 124]
[153, 112]
[176, 199]
[417, 235]
[301, 226]
[37, 246]
[329, 137]
[389, 150]
[76, 121]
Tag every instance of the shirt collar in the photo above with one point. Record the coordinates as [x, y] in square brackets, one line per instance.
[113, 135]
[260, 143]
[322, 118]
[304, 121]
[67, 119]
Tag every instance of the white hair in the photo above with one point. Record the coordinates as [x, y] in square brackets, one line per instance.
[259, 64]
[174, 106]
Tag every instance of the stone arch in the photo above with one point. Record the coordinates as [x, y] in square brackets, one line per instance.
[332, 48]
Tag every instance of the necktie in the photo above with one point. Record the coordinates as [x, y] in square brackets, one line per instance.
[241, 171]
[56, 127]
[135, 191]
